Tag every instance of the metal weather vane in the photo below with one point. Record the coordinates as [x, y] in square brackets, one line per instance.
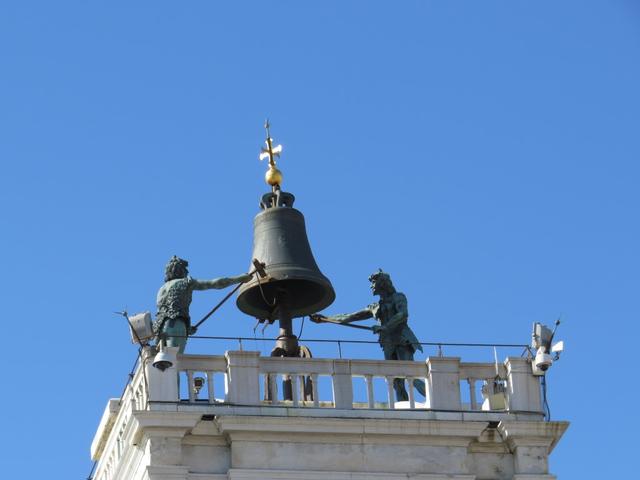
[273, 176]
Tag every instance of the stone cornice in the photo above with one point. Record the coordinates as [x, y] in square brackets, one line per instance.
[162, 424]
[325, 430]
[246, 474]
[104, 428]
[350, 425]
[545, 434]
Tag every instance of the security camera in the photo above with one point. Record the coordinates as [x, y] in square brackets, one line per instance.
[541, 341]
[198, 383]
[541, 362]
[166, 358]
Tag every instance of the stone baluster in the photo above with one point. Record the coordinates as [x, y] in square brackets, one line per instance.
[272, 386]
[411, 390]
[295, 390]
[192, 393]
[210, 389]
[314, 387]
[391, 397]
[370, 395]
[473, 402]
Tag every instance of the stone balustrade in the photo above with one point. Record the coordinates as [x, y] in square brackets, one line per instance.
[252, 380]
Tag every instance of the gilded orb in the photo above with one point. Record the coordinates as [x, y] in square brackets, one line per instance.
[273, 176]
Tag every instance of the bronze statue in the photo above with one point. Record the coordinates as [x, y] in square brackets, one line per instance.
[173, 323]
[397, 340]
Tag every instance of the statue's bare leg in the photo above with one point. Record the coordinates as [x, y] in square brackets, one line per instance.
[398, 383]
[175, 333]
[400, 352]
[405, 352]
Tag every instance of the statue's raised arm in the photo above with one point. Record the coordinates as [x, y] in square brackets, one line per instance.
[173, 323]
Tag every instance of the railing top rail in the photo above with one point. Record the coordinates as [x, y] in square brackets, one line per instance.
[357, 367]
[384, 368]
[320, 366]
[372, 342]
[213, 363]
[477, 370]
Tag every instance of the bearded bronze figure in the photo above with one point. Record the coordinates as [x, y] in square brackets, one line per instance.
[173, 322]
[397, 340]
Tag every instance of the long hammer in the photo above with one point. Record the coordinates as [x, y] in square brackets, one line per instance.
[259, 268]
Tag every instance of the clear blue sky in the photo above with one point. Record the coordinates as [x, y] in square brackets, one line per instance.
[484, 153]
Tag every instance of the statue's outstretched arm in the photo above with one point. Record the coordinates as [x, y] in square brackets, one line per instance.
[219, 283]
[345, 317]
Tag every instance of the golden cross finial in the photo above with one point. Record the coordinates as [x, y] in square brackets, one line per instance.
[270, 151]
[273, 176]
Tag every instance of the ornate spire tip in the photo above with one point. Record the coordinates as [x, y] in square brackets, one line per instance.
[273, 176]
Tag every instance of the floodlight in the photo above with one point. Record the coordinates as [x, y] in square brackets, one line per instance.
[141, 327]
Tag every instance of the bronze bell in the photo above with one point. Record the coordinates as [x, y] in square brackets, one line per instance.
[294, 285]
